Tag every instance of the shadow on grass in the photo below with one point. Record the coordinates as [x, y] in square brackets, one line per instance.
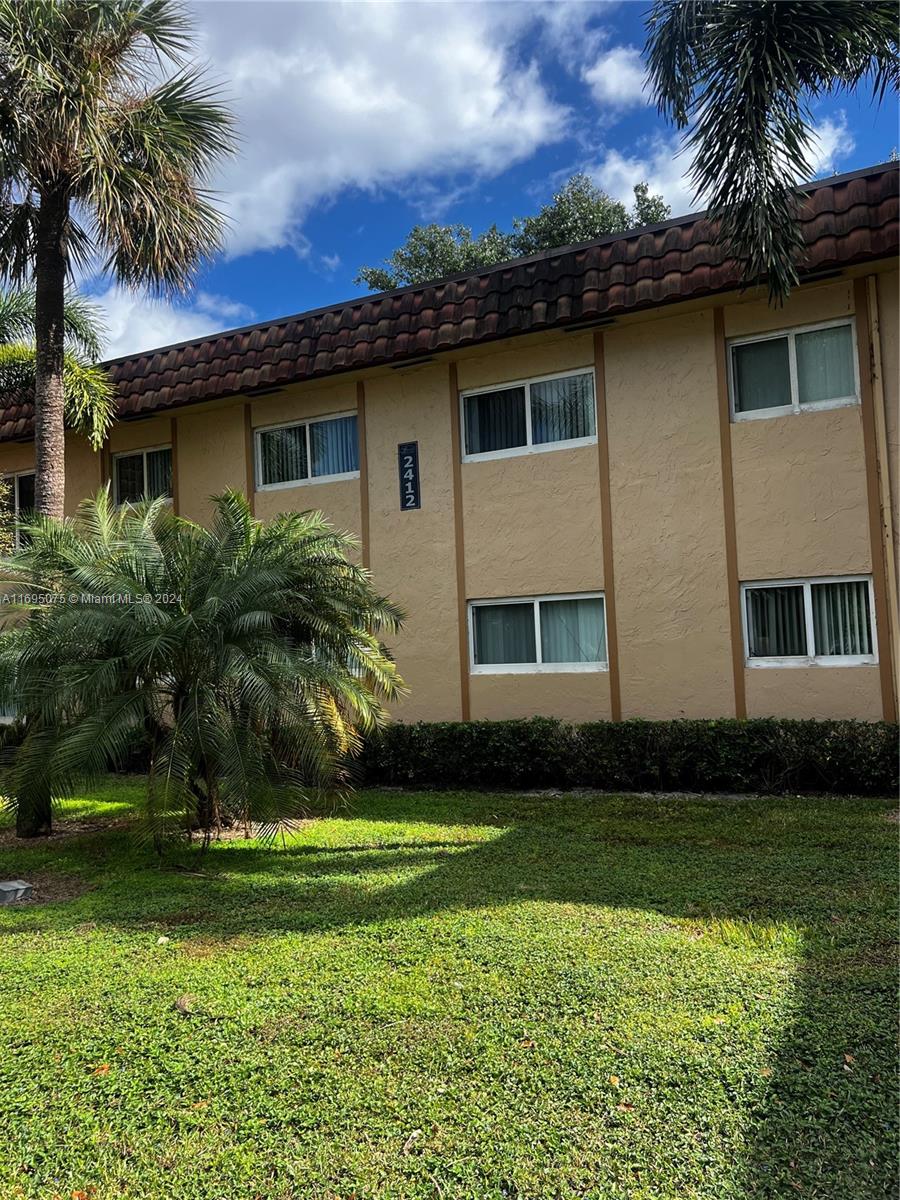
[825, 867]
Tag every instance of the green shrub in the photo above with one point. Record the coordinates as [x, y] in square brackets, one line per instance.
[762, 755]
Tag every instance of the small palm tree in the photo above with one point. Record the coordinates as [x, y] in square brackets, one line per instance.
[741, 74]
[88, 393]
[247, 655]
[99, 156]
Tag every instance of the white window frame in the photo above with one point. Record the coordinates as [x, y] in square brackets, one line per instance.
[529, 447]
[539, 667]
[337, 477]
[809, 660]
[143, 451]
[795, 406]
[13, 477]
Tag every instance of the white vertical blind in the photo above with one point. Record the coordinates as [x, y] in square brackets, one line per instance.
[841, 618]
[776, 622]
[572, 631]
[825, 364]
[563, 409]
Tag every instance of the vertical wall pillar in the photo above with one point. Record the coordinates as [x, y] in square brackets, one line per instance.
[249, 457]
[461, 598]
[874, 470]
[364, 532]
[731, 560]
[606, 530]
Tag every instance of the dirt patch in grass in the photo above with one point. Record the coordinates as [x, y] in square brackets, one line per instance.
[50, 887]
[63, 831]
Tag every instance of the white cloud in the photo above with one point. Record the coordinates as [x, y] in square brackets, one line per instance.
[136, 323]
[349, 95]
[616, 79]
[658, 163]
[832, 141]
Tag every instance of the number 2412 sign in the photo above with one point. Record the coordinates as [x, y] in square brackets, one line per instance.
[408, 462]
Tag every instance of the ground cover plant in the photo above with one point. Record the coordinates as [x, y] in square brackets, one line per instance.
[457, 995]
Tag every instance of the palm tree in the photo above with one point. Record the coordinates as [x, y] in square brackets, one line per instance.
[100, 158]
[88, 393]
[247, 656]
[740, 74]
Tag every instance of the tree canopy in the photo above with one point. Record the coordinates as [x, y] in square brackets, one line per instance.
[579, 212]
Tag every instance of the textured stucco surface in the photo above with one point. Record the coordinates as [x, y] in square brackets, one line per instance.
[305, 400]
[16, 456]
[138, 435]
[889, 322]
[532, 524]
[83, 472]
[573, 697]
[809, 305]
[667, 518]
[800, 495]
[566, 352]
[818, 692]
[412, 554]
[210, 458]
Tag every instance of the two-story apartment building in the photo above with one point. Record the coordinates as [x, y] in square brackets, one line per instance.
[604, 481]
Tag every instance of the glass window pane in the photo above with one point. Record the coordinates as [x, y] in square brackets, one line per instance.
[825, 365]
[283, 455]
[572, 631]
[504, 633]
[775, 622]
[334, 446]
[25, 499]
[495, 421]
[841, 618]
[562, 409]
[129, 478]
[762, 376]
[159, 473]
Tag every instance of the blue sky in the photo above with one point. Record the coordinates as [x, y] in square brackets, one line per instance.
[358, 120]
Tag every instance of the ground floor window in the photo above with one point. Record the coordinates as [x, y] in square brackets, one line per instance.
[143, 475]
[797, 622]
[20, 497]
[538, 633]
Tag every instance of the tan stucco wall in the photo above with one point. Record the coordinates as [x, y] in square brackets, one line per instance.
[210, 458]
[15, 457]
[579, 696]
[800, 495]
[816, 302]
[667, 519]
[83, 472]
[888, 292]
[412, 554]
[817, 692]
[139, 435]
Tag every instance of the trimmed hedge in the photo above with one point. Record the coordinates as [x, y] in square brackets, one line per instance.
[764, 755]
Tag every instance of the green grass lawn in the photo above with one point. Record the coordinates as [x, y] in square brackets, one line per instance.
[452, 996]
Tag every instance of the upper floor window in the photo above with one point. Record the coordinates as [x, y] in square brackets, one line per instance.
[307, 452]
[143, 475]
[20, 497]
[804, 622]
[537, 414]
[785, 372]
[541, 633]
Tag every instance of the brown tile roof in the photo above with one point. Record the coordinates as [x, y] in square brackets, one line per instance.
[845, 220]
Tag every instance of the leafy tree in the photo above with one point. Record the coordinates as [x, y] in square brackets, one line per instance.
[88, 394]
[247, 654]
[579, 212]
[740, 76]
[106, 137]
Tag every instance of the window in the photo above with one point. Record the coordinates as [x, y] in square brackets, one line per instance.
[143, 475]
[813, 367]
[801, 622]
[543, 633]
[539, 414]
[21, 496]
[307, 451]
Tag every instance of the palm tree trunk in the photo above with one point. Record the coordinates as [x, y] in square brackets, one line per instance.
[49, 333]
[33, 816]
